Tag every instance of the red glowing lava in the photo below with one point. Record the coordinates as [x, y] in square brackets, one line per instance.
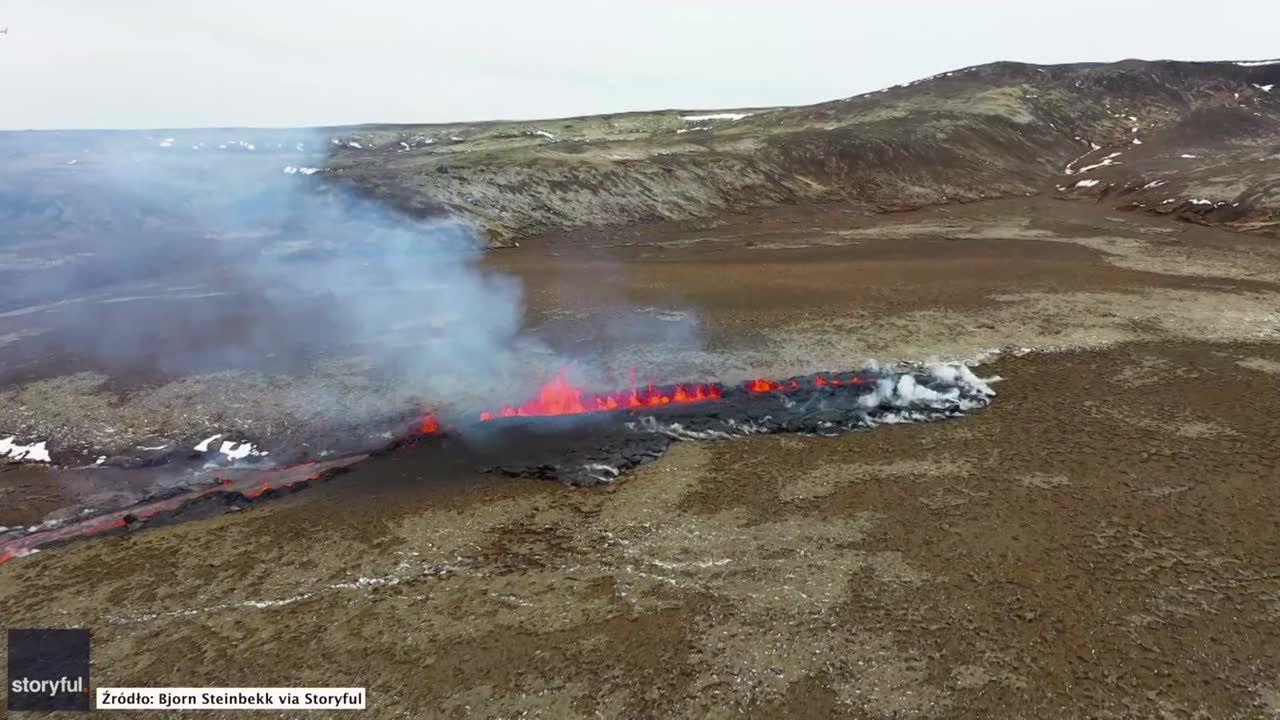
[764, 386]
[823, 382]
[561, 397]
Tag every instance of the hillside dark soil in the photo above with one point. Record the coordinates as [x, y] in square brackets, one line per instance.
[1200, 140]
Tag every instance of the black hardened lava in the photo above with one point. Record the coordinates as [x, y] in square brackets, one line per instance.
[818, 404]
[581, 449]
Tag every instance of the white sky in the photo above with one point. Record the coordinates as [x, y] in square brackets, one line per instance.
[170, 63]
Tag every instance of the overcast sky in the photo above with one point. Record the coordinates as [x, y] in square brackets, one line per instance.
[161, 63]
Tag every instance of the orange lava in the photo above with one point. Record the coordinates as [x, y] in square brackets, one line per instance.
[561, 397]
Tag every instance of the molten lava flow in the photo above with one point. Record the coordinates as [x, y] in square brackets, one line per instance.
[763, 386]
[824, 382]
[560, 397]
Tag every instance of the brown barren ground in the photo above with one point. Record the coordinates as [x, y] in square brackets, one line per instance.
[1100, 542]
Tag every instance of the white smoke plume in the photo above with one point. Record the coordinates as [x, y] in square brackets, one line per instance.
[187, 252]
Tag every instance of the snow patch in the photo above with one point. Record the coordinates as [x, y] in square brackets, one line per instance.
[240, 451]
[1108, 160]
[291, 170]
[1087, 183]
[35, 452]
[1264, 88]
[715, 116]
[1154, 184]
[1257, 63]
[203, 445]
[1188, 156]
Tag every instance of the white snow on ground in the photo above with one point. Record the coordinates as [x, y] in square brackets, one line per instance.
[1200, 201]
[1263, 88]
[1169, 200]
[1257, 63]
[239, 451]
[203, 445]
[71, 162]
[455, 138]
[1154, 184]
[1136, 141]
[1108, 160]
[354, 144]
[233, 450]
[1188, 156]
[715, 116]
[545, 134]
[1087, 183]
[699, 127]
[167, 142]
[36, 452]
[291, 170]
[1070, 167]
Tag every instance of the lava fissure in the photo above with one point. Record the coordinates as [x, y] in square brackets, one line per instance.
[821, 405]
[541, 439]
[560, 397]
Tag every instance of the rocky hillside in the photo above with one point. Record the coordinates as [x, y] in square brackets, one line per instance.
[1202, 139]
[1198, 139]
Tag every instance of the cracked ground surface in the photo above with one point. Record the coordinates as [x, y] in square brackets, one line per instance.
[1100, 542]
